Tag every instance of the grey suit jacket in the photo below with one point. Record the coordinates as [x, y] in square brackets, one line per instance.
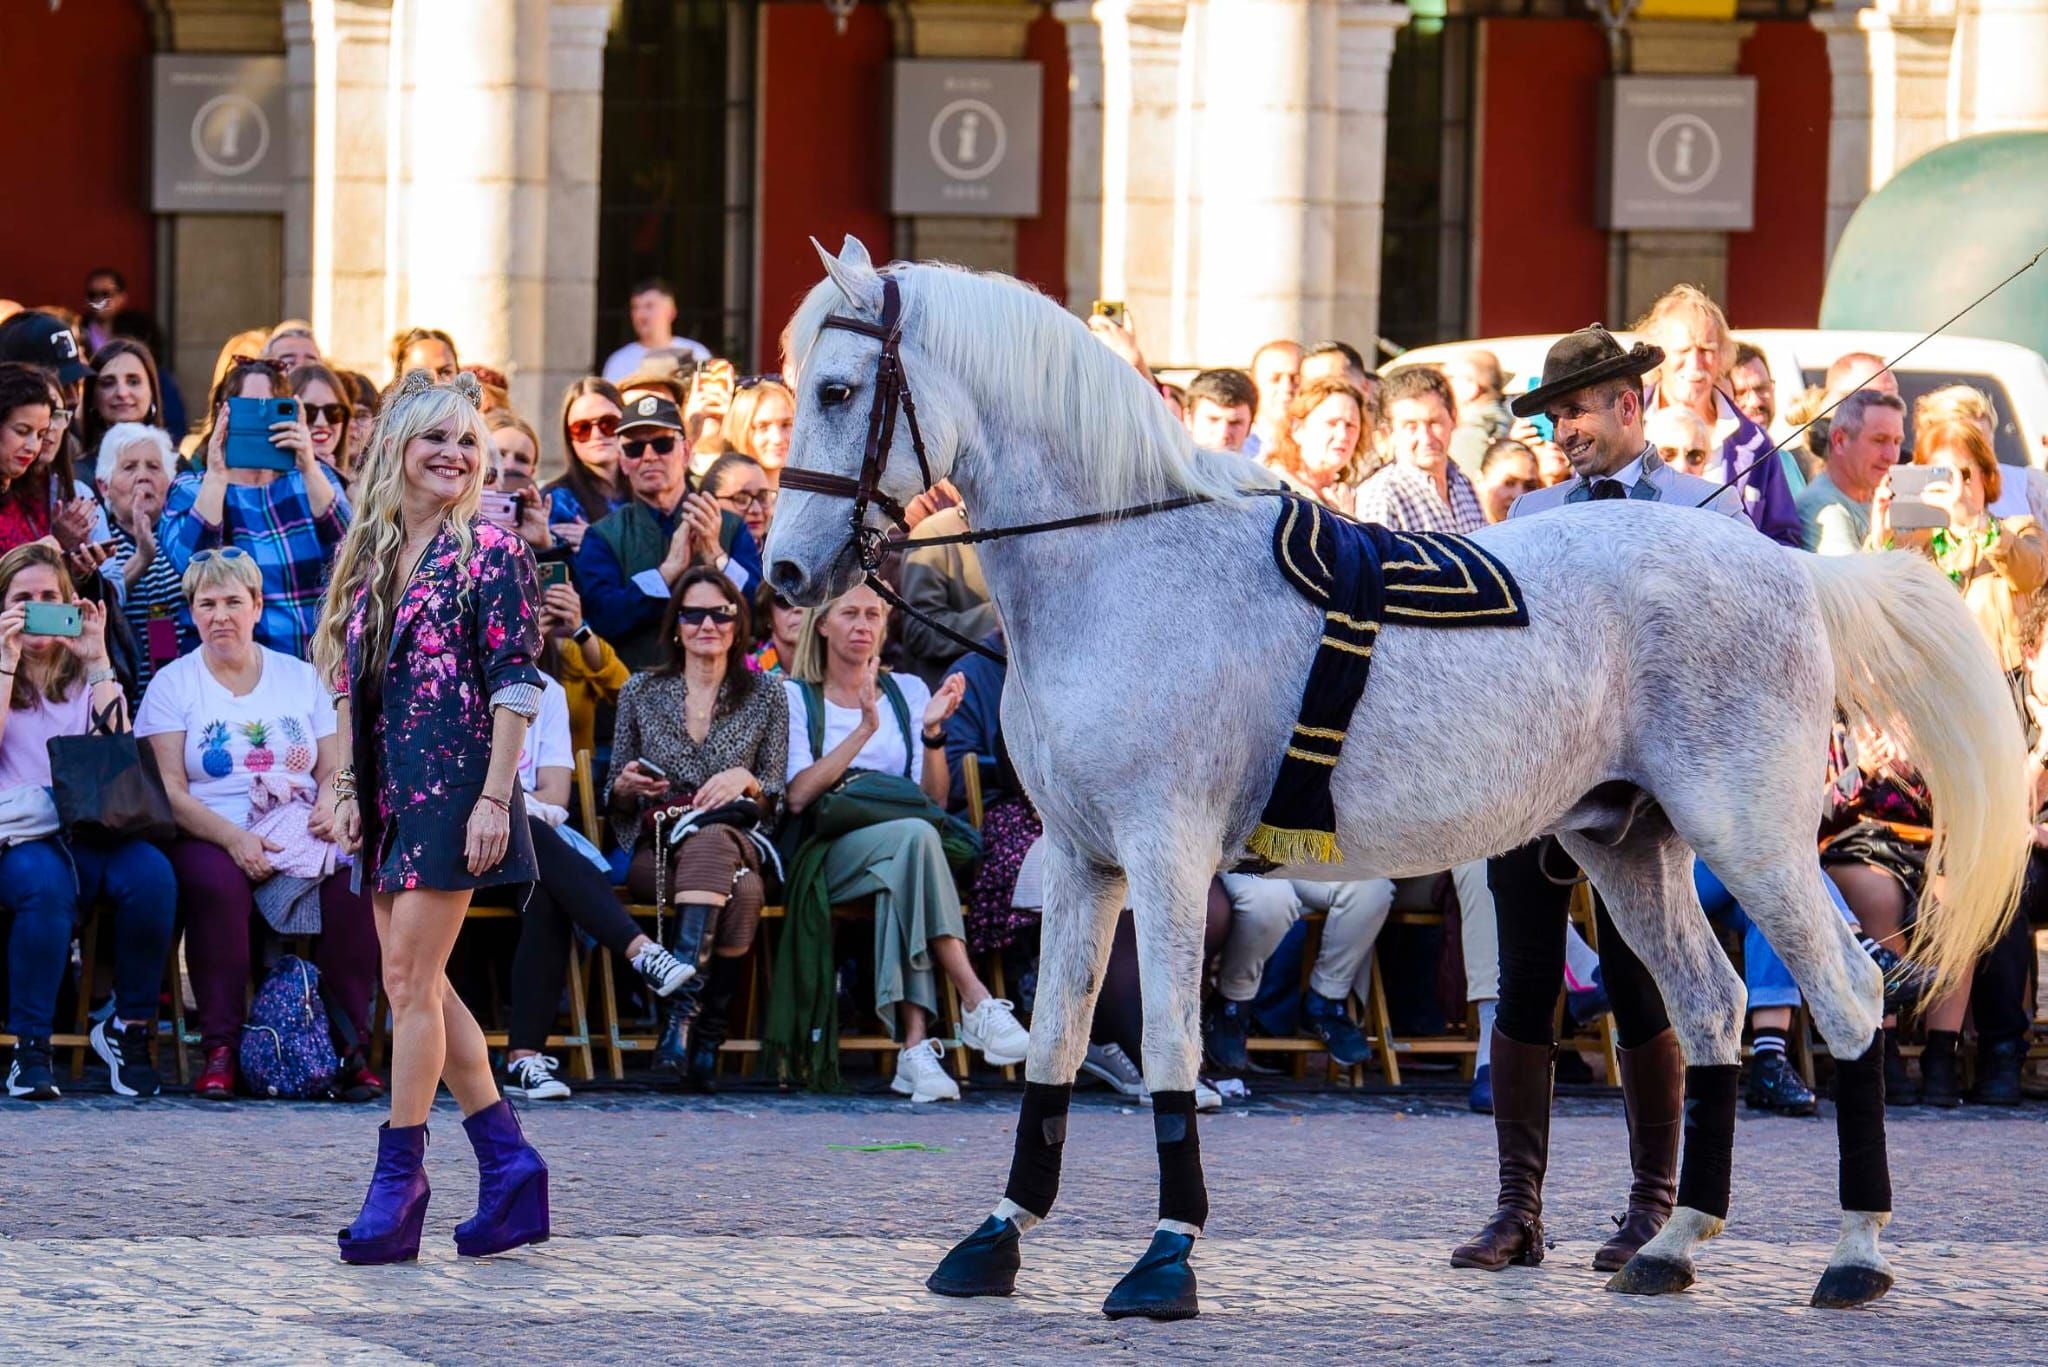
[1665, 484]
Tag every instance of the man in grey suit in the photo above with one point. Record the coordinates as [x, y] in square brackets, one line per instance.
[1592, 392]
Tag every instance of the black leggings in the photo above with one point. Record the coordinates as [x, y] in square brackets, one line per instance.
[1532, 912]
[570, 891]
[1998, 992]
[1120, 1010]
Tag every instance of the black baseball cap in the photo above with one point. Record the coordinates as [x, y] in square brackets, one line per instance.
[651, 410]
[39, 339]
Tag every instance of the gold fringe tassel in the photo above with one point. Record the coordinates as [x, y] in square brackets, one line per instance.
[1292, 848]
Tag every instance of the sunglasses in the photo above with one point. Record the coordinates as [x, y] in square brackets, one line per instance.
[220, 553]
[633, 450]
[275, 367]
[697, 617]
[1673, 456]
[98, 296]
[334, 414]
[606, 426]
[750, 381]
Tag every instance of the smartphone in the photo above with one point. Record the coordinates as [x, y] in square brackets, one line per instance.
[248, 445]
[1112, 309]
[553, 572]
[51, 619]
[1910, 509]
[651, 769]
[512, 482]
[1541, 421]
[501, 508]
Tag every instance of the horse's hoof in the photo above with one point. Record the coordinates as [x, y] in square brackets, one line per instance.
[1643, 1276]
[984, 1263]
[1161, 1286]
[1850, 1285]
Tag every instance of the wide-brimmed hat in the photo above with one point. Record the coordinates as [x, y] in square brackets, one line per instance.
[1587, 357]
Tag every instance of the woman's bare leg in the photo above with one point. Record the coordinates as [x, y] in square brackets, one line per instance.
[432, 1033]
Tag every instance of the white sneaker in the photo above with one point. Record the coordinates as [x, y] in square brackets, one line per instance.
[1110, 1063]
[533, 1078]
[663, 971]
[992, 1029]
[1207, 1098]
[919, 1076]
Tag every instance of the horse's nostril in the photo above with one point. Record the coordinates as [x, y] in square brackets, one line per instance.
[787, 578]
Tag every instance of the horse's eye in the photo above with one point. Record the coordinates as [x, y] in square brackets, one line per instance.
[832, 395]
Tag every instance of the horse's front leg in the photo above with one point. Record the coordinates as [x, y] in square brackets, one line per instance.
[1169, 898]
[1082, 901]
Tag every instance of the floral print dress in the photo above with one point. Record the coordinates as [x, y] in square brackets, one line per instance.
[464, 639]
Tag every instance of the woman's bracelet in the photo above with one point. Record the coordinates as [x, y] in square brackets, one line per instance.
[502, 804]
[104, 674]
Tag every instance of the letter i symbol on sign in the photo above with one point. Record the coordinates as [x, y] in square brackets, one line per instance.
[1686, 138]
[231, 135]
[970, 130]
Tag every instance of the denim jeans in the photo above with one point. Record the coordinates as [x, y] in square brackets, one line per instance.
[44, 884]
[1763, 972]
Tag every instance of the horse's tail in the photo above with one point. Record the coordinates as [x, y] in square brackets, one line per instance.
[1910, 660]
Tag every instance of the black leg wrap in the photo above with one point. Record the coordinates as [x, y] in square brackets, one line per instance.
[1866, 1179]
[1704, 1176]
[1182, 1195]
[1041, 1135]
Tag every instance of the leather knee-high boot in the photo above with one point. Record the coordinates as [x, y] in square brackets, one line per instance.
[1653, 1095]
[1521, 1122]
[672, 1051]
[714, 1019]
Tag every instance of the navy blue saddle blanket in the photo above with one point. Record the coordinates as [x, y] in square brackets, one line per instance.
[1361, 576]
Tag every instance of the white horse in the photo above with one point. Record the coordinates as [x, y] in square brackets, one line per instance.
[1673, 692]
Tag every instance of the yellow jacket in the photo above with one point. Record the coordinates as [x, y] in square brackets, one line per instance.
[589, 687]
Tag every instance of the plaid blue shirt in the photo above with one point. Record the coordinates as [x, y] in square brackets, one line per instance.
[1405, 499]
[274, 524]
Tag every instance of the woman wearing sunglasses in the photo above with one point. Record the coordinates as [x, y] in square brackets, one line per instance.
[593, 487]
[700, 731]
[288, 521]
[324, 404]
[428, 640]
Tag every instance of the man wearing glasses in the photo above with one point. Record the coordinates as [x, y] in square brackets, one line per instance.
[631, 560]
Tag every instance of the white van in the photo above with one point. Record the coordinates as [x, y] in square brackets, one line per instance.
[2015, 378]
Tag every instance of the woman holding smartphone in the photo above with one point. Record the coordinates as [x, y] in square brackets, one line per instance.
[326, 409]
[288, 521]
[429, 640]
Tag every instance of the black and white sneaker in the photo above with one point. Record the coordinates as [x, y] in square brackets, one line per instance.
[31, 1078]
[663, 971]
[125, 1051]
[533, 1078]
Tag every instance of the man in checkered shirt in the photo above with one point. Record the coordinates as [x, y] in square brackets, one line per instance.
[1423, 490]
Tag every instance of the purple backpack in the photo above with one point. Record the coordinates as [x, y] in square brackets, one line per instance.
[287, 1051]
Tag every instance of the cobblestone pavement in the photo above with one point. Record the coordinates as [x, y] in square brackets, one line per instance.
[755, 1227]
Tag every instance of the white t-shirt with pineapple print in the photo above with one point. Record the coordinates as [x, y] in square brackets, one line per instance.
[275, 727]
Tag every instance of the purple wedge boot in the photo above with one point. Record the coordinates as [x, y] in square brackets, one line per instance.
[388, 1228]
[512, 1186]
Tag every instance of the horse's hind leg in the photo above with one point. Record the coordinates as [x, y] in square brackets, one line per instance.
[1845, 992]
[1082, 900]
[1647, 883]
[1169, 898]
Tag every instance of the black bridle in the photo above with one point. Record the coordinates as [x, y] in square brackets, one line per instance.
[892, 392]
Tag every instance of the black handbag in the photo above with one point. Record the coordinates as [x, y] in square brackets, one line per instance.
[107, 787]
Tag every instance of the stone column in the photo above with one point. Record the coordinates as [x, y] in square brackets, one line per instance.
[2002, 50]
[1266, 167]
[1366, 31]
[339, 60]
[1890, 76]
[576, 39]
[967, 30]
[1654, 261]
[1085, 134]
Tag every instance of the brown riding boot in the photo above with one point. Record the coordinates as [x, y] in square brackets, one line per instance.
[1521, 1124]
[1653, 1095]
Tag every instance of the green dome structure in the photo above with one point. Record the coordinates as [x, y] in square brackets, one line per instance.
[1941, 232]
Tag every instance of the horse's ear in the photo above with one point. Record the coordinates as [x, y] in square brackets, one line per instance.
[853, 273]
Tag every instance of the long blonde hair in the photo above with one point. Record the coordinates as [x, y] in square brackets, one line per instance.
[373, 552]
[807, 661]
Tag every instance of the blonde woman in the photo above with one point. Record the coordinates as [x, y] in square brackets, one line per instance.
[429, 641]
[866, 718]
[762, 417]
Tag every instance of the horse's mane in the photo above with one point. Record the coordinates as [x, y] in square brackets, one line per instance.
[1032, 366]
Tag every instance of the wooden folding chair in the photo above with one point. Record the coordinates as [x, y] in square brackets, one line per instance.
[1414, 905]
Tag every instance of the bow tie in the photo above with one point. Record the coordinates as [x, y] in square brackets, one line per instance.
[1609, 488]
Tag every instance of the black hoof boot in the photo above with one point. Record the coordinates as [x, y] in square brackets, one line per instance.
[1846, 1287]
[1162, 1284]
[984, 1263]
[1641, 1276]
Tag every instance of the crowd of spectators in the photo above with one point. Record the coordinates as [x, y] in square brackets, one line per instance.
[723, 724]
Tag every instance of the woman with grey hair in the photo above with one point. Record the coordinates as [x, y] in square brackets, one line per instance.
[136, 466]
